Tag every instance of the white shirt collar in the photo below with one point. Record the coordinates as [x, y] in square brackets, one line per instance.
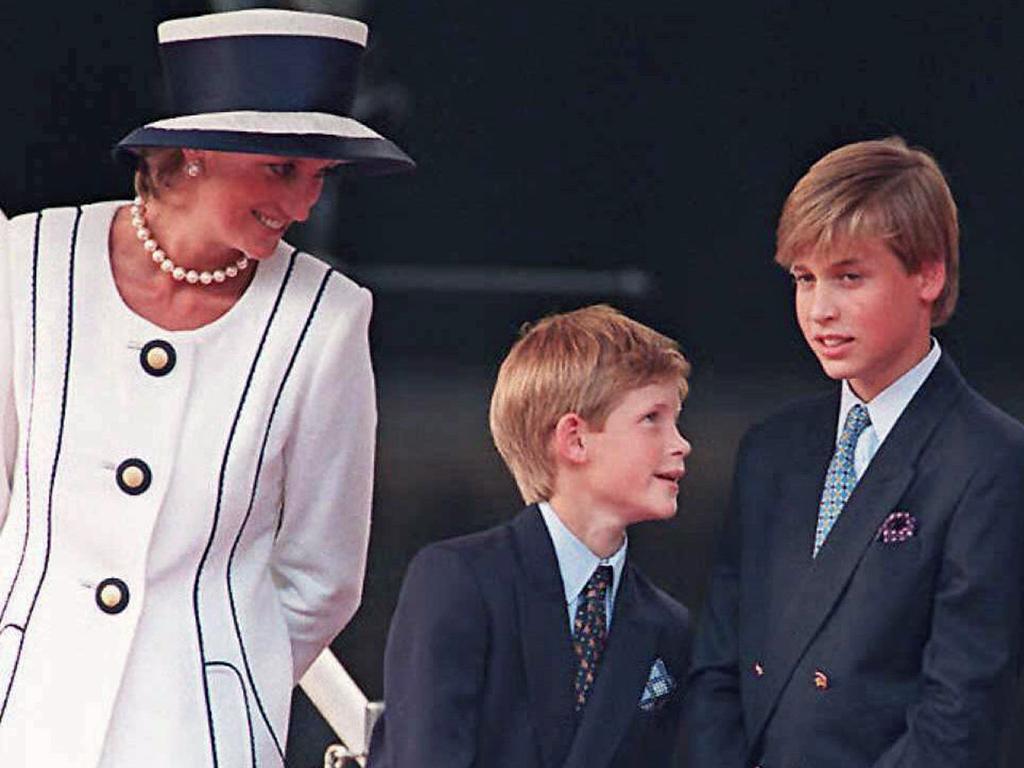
[887, 406]
[576, 562]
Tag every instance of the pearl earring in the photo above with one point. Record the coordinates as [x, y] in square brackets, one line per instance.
[193, 168]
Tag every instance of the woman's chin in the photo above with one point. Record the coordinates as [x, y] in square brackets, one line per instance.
[263, 249]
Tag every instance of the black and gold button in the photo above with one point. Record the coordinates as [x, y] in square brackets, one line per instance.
[133, 476]
[157, 357]
[112, 596]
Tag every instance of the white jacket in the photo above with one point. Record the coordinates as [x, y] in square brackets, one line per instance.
[189, 510]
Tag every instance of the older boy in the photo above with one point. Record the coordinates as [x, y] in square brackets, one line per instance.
[866, 609]
[537, 643]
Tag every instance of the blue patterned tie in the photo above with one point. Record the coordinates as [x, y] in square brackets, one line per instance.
[590, 631]
[841, 477]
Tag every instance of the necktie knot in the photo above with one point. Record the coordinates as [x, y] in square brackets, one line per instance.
[597, 586]
[857, 420]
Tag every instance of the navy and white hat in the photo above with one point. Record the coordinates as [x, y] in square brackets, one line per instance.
[266, 81]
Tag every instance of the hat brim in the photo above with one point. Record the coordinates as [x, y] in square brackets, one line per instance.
[288, 135]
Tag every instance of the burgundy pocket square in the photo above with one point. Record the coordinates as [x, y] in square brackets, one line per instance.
[897, 528]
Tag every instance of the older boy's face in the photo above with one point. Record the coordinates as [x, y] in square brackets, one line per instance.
[636, 462]
[864, 316]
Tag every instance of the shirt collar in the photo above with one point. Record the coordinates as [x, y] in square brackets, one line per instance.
[887, 406]
[576, 562]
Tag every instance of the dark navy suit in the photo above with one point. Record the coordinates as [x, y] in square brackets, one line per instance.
[875, 653]
[479, 667]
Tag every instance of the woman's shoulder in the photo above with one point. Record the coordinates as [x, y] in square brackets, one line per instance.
[65, 217]
[328, 312]
[95, 208]
[314, 279]
[50, 236]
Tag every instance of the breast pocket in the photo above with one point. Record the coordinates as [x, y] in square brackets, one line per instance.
[892, 587]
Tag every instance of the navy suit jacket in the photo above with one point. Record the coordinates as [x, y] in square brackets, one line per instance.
[478, 669]
[873, 653]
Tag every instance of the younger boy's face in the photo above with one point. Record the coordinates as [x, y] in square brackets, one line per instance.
[863, 315]
[636, 462]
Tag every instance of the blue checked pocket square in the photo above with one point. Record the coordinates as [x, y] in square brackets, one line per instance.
[660, 685]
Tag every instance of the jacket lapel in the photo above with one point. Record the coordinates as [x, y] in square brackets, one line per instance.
[546, 642]
[791, 532]
[875, 496]
[613, 703]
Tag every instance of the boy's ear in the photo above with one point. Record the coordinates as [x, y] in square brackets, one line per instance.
[569, 440]
[932, 276]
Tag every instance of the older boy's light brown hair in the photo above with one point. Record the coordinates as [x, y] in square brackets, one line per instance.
[880, 188]
[580, 362]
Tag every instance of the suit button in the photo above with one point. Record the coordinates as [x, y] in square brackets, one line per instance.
[820, 680]
[112, 595]
[758, 669]
[157, 358]
[133, 476]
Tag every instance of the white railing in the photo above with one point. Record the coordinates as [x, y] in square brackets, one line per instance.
[343, 705]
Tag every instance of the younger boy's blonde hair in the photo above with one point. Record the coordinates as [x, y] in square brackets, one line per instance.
[581, 362]
[880, 188]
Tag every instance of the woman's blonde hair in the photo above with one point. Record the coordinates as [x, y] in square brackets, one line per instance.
[155, 168]
[580, 362]
[880, 188]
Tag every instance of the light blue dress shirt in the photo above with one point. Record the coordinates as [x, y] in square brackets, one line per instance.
[885, 408]
[577, 564]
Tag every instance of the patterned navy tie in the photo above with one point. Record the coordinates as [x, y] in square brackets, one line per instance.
[841, 477]
[590, 631]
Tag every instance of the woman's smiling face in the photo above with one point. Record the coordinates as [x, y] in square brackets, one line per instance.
[246, 202]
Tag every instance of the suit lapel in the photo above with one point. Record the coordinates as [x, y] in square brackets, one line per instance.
[546, 642]
[621, 677]
[791, 534]
[875, 496]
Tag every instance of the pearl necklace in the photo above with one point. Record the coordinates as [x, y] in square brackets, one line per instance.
[166, 265]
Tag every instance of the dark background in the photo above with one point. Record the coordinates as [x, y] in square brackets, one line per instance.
[635, 153]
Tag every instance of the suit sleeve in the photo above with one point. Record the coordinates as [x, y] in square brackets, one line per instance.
[970, 662]
[319, 555]
[433, 667]
[715, 736]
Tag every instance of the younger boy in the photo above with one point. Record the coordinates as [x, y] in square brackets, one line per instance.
[537, 643]
[866, 609]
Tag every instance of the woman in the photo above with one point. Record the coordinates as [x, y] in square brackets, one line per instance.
[188, 420]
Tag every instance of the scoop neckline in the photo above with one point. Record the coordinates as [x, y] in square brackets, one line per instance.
[265, 270]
